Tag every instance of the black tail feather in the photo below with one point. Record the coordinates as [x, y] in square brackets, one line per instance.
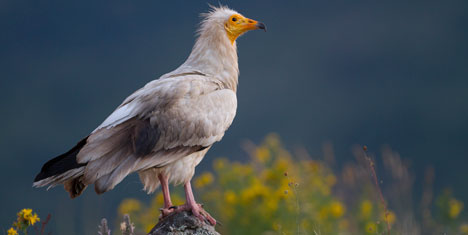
[62, 163]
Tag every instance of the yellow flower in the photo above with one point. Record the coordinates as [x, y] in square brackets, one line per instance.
[26, 216]
[464, 229]
[33, 219]
[220, 163]
[262, 154]
[204, 179]
[325, 190]
[314, 166]
[240, 169]
[12, 231]
[371, 227]
[282, 164]
[323, 213]
[390, 217]
[337, 209]
[276, 226]
[271, 204]
[159, 199]
[273, 140]
[230, 197]
[366, 208]
[129, 205]
[255, 191]
[25, 213]
[455, 207]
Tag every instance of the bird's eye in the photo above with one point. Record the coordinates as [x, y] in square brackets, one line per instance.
[234, 19]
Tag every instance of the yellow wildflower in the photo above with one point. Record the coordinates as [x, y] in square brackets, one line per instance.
[241, 169]
[276, 226]
[272, 140]
[371, 227]
[325, 190]
[12, 231]
[337, 209]
[305, 224]
[314, 166]
[366, 208]
[129, 205]
[33, 219]
[159, 199]
[220, 163]
[25, 213]
[230, 197]
[464, 229]
[455, 207]
[204, 179]
[26, 217]
[323, 213]
[282, 165]
[256, 191]
[390, 217]
[262, 154]
[271, 204]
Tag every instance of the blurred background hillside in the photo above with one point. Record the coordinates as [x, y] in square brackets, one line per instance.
[336, 72]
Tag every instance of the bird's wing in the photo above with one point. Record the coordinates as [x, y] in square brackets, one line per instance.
[154, 95]
[164, 121]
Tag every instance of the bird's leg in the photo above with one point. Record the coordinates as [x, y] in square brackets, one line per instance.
[168, 208]
[196, 209]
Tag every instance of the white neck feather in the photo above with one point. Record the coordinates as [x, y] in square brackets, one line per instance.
[214, 54]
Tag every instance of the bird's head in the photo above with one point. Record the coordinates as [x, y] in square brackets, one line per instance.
[233, 23]
[237, 24]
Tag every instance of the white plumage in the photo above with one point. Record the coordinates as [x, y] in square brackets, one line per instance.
[163, 130]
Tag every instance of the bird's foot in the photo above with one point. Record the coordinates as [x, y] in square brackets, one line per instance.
[198, 211]
[166, 211]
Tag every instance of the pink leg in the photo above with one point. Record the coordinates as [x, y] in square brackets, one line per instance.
[167, 209]
[193, 206]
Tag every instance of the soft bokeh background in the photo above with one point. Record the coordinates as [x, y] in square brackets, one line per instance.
[343, 72]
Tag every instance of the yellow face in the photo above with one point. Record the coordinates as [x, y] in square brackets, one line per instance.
[237, 24]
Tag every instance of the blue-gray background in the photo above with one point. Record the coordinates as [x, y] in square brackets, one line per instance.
[348, 72]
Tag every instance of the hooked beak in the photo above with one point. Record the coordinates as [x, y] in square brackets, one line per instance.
[261, 25]
[247, 24]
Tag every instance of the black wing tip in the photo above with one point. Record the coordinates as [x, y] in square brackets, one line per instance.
[39, 177]
[61, 163]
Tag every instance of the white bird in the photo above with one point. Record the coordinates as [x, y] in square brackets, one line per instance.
[163, 130]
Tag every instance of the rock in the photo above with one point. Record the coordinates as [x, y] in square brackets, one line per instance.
[182, 223]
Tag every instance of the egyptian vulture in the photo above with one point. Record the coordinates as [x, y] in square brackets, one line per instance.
[163, 130]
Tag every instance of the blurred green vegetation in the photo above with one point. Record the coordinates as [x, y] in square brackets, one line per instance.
[277, 192]
[280, 192]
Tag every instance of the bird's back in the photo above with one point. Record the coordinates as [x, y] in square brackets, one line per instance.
[166, 120]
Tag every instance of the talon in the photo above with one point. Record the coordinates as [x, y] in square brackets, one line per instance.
[196, 208]
[166, 211]
[201, 214]
[173, 207]
[198, 212]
